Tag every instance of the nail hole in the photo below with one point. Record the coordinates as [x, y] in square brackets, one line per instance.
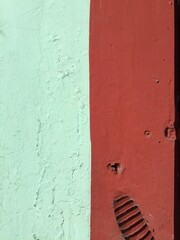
[155, 79]
[147, 133]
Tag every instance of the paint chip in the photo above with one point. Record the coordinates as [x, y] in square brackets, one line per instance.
[115, 168]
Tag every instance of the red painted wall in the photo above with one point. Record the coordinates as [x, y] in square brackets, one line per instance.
[132, 103]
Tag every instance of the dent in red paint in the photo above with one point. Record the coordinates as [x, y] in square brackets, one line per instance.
[132, 103]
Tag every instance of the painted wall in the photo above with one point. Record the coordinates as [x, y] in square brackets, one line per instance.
[132, 116]
[44, 122]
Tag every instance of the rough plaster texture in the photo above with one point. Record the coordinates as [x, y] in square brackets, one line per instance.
[44, 122]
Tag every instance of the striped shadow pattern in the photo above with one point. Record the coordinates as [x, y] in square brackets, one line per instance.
[131, 222]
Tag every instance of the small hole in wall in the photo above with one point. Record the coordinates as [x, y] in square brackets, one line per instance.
[115, 168]
[170, 133]
[147, 133]
[155, 79]
[166, 132]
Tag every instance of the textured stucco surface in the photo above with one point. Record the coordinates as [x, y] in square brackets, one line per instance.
[44, 121]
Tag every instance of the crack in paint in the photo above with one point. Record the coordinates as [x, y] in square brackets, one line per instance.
[39, 187]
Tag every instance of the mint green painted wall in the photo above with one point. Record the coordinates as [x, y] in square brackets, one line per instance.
[44, 121]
